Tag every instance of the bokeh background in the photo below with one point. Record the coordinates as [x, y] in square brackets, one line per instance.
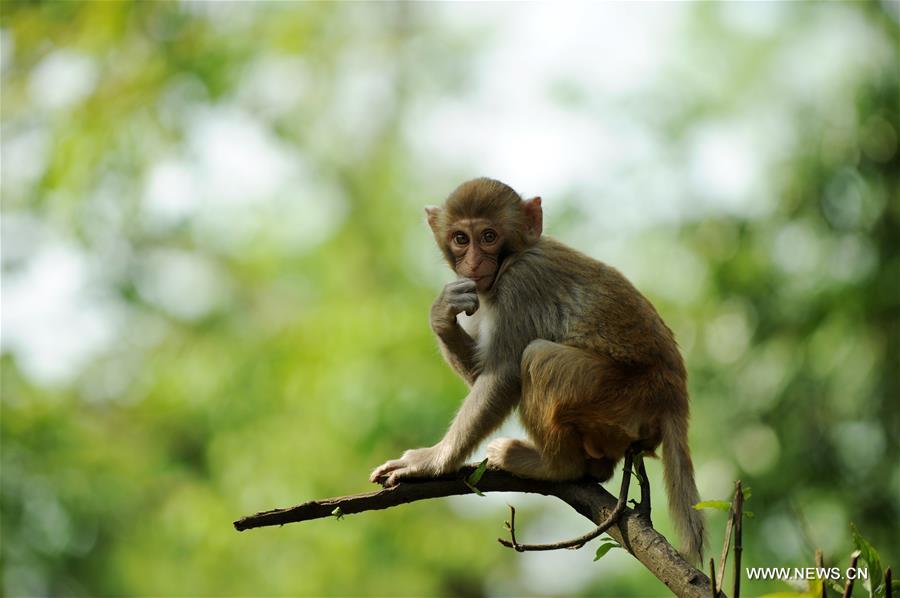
[216, 275]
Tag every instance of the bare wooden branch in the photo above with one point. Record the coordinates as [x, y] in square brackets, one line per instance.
[729, 528]
[580, 541]
[712, 577]
[738, 527]
[511, 526]
[587, 498]
[888, 580]
[820, 565]
[848, 588]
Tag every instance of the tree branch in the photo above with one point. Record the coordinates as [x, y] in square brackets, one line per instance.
[589, 499]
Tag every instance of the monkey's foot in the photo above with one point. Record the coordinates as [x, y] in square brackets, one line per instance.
[414, 463]
[515, 456]
[522, 458]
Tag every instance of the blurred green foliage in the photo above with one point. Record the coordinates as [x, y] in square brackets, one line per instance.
[178, 352]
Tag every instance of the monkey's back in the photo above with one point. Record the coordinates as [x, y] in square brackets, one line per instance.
[553, 287]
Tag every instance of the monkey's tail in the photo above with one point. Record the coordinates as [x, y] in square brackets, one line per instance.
[678, 472]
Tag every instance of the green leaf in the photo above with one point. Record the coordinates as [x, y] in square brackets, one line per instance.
[603, 549]
[475, 476]
[473, 488]
[338, 513]
[870, 556]
[748, 514]
[747, 492]
[722, 505]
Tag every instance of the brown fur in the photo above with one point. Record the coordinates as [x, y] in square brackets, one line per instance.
[585, 356]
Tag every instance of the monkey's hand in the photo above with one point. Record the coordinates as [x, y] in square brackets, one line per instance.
[415, 463]
[458, 296]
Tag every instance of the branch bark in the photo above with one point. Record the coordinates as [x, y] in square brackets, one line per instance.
[591, 500]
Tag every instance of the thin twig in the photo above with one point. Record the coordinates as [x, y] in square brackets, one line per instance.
[738, 548]
[576, 543]
[820, 566]
[712, 577]
[729, 527]
[848, 588]
[511, 526]
[888, 580]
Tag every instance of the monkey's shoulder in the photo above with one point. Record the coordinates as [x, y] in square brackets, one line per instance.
[552, 280]
[551, 266]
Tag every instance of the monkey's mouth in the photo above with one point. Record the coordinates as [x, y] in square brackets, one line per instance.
[486, 281]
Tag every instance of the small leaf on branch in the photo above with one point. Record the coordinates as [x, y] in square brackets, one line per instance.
[722, 505]
[338, 513]
[473, 488]
[604, 548]
[475, 477]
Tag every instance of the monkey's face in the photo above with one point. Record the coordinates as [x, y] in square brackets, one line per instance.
[475, 245]
[476, 228]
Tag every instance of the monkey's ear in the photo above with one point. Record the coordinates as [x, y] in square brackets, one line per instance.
[433, 214]
[534, 217]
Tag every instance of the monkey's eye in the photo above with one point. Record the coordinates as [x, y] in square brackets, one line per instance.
[489, 236]
[460, 238]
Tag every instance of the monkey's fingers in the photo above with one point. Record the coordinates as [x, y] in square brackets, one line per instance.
[399, 474]
[464, 285]
[380, 473]
[467, 302]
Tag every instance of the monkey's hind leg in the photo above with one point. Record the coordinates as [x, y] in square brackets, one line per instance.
[563, 389]
[522, 458]
[548, 384]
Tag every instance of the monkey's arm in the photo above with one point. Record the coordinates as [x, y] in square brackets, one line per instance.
[489, 402]
[458, 349]
[456, 345]
[491, 398]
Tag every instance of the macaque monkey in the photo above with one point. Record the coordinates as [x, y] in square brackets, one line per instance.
[586, 358]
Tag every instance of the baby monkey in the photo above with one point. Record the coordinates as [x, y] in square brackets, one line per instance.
[533, 323]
